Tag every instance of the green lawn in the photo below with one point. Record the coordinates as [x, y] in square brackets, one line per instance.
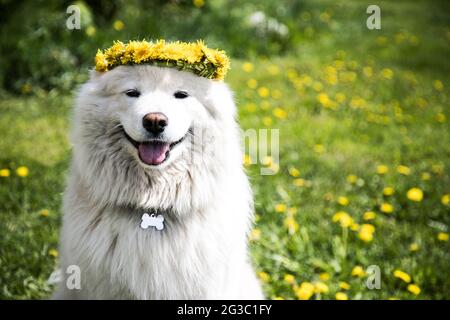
[363, 118]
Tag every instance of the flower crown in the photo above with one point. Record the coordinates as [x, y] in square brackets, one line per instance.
[192, 56]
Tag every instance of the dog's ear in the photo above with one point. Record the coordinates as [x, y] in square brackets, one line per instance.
[219, 100]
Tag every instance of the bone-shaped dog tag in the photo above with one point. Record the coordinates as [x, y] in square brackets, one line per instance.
[152, 221]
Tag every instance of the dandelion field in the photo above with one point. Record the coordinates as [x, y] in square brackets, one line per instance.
[363, 177]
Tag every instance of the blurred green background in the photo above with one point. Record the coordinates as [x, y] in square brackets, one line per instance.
[363, 177]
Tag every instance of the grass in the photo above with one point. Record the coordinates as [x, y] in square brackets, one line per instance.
[349, 103]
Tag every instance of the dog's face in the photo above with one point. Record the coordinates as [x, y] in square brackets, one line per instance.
[155, 111]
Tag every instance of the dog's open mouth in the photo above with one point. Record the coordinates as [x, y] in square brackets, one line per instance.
[153, 152]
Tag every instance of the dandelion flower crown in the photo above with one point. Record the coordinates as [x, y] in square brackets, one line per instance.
[189, 56]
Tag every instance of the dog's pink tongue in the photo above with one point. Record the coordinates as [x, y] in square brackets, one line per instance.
[153, 153]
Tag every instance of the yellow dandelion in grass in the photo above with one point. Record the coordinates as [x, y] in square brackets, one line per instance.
[264, 276]
[425, 176]
[305, 291]
[445, 200]
[317, 86]
[442, 236]
[255, 234]
[323, 98]
[263, 92]
[368, 71]
[388, 191]
[344, 219]
[5, 173]
[414, 289]
[341, 296]
[279, 113]
[44, 213]
[343, 201]
[440, 117]
[118, 25]
[415, 194]
[247, 67]
[402, 276]
[252, 83]
[403, 170]
[294, 172]
[277, 94]
[267, 121]
[387, 73]
[369, 215]
[22, 171]
[382, 169]
[354, 226]
[344, 285]
[291, 225]
[320, 287]
[289, 278]
[386, 208]
[366, 232]
[340, 97]
[251, 107]
[413, 247]
[358, 271]
[273, 70]
[53, 253]
[198, 3]
[91, 31]
[280, 207]
[351, 178]
[319, 148]
[438, 85]
[292, 210]
[299, 182]
[324, 276]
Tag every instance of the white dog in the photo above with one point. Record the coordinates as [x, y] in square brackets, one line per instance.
[162, 142]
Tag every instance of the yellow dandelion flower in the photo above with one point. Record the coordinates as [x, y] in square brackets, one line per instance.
[264, 276]
[413, 247]
[403, 170]
[299, 182]
[341, 296]
[382, 169]
[294, 172]
[319, 148]
[247, 67]
[198, 3]
[344, 285]
[445, 200]
[44, 213]
[292, 210]
[369, 215]
[22, 171]
[387, 73]
[386, 208]
[425, 176]
[402, 275]
[291, 225]
[101, 64]
[320, 287]
[354, 226]
[366, 232]
[415, 194]
[324, 276]
[343, 201]
[289, 278]
[118, 25]
[358, 271]
[368, 71]
[414, 289]
[251, 107]
[280, 207]
[438, 85]
[442, 236]
[305, 291]
[277, 94]
[91, 31]
[344, 219]
[53, 253]
[5, 173]
[263, 92]
[255, 234]
[340, 97]
[388, 191]
[351, 178]
[252, 83]
[267, 121]
[323, 99]
[279, 113]
[440, 117]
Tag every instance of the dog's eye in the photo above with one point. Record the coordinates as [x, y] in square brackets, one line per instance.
[181, 94]
[133, 93]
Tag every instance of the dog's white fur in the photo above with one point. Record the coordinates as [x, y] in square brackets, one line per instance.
[201, 190]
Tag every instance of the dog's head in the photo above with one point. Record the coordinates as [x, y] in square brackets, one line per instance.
[138, 122]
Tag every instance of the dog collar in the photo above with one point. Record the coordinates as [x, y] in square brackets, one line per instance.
[195, 57]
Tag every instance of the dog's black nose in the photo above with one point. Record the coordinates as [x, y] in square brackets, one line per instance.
[155, 122]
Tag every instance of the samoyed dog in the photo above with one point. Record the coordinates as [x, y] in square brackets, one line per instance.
[156, 144]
